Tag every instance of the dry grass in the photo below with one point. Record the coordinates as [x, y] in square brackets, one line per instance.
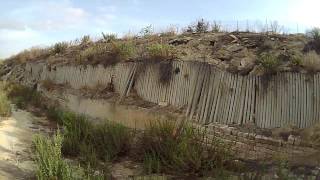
[311, 61]
[32, 54]
[48, 84]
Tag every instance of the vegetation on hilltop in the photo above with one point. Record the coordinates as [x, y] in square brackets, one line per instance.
[200, 41]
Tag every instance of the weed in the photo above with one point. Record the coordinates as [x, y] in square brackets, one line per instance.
[109, 37]
[161, 52]
[311, 61]
[123, 50]
[31, 54]
[187, 151]
[269, 62]
[5, 108]
[202, 26]
[216, 27]
[50, 164]
[146, 31]
[94, 53]
[60, 47]
[85, 40]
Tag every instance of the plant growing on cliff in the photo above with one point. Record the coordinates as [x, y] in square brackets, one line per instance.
[109, 37]
[123, 50]
[311, 61]
[161, 52]
[269, 62]
[60, 47]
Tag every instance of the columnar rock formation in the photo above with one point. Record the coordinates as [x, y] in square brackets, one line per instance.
[206, 93]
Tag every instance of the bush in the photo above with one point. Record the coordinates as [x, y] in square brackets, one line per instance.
[269, 62]
[314, 44]
[109, 37]
[85, 40]
[314, 33]
[311, 61]
[5, 108]
[94, 53]
[161, 52]
[165, 149]
[31, 54]
[60, 47]
[146, 31]
[23, 96]
[202, 26]
[92, 142]
[50, 164]
[123, 50]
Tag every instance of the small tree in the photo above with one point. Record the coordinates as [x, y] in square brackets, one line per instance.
[314, 33]
[202, 26]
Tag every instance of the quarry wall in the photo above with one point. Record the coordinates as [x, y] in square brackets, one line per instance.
[208, 94]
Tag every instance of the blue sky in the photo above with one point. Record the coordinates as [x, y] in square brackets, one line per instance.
[27, 23]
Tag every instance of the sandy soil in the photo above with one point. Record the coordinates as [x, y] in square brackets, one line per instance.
[15, 145]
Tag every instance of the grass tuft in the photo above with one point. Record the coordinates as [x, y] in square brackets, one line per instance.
[166, 150]
[50, 164]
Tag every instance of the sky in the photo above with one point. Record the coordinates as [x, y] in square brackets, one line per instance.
[29, 23]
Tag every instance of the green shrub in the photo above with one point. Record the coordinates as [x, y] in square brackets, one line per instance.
[202, 26]
[269, 62]
[109, 37]
[50, 164]
[23, 96]
[92, 142]
[94, 53]
[167, 150]
[5, 108]
[111, 140]
[160, 52]
[60, 47]
[123, 50]
[85, 40]
[146, 31]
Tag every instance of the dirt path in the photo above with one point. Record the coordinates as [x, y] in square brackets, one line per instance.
[15, 145]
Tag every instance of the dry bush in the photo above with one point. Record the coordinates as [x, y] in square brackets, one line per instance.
[31, 54]
[48, 84]
[93, 53]
[311, 61]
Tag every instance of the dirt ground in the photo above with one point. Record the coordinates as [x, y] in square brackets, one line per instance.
[15, 145]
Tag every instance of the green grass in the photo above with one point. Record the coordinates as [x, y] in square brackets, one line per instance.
[160, 52]
[165, 149]
[23, 96]
[50, 164]
[93, 143]
[5, 108]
